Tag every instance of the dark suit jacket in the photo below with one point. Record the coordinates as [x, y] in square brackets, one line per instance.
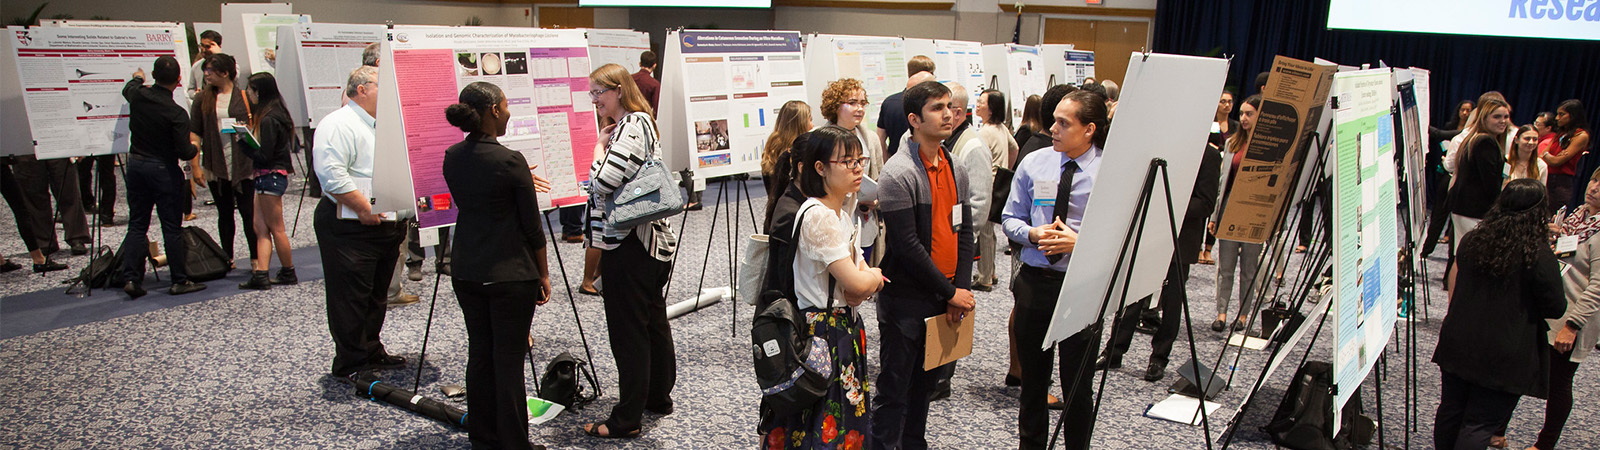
[1494, 332]
[498, 229]
[1478, 178]
[1202, 201]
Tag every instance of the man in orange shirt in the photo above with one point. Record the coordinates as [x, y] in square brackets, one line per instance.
[928, 262]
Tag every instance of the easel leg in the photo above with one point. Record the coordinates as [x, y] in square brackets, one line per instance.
[427, 330]
[571, 299]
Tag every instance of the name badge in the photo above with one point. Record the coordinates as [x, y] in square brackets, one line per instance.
[1566, 246]
[1044, 194]
[955, 217]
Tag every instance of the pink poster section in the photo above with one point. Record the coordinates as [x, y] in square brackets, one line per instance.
[426, 81]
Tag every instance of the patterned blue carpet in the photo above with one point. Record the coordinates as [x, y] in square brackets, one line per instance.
[245, 369]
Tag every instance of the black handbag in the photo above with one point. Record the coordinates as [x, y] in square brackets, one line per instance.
[1001, 191]
[560, 382]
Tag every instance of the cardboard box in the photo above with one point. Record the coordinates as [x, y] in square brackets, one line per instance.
[1291, 107]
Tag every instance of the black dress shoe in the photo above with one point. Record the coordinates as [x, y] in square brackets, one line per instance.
[79, 249]
[1218, 325]
[1238, 324]
[1155, 373]
[1013, 381]
[1106, 362]
[662, 410]
[133, 289]
[386, 361]
[982, 287]
[48, 266]
[185, 288]
[9, 266]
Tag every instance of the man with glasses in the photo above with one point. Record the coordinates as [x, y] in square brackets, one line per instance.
[929, 263]
[359, 254]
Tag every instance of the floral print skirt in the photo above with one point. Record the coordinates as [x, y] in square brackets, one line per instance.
[843, 418]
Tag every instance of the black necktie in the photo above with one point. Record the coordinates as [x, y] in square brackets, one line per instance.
[1063, 199]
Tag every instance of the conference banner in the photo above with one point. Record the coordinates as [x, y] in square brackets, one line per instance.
[1557, 19]
[72, 79]
[1364, 227]
[732, 85]
[1291, 108]
[545, 77]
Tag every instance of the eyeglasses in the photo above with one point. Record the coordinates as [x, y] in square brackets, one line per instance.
[595, 95]
[859, 103]
[852, 163]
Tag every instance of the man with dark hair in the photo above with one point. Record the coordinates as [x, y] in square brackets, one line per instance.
[892, 123]
[923, 193]
[159, 138]
[1043, 214]
[210, 44]
[919, 63]
[1261, 82]
[647, 82]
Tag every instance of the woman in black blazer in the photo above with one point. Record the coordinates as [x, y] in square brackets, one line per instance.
[500, 270]
[1492, 346]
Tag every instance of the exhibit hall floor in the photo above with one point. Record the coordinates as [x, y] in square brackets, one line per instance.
[226, 368]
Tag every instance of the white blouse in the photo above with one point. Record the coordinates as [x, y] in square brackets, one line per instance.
[825, 236]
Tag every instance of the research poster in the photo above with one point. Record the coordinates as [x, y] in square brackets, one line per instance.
[1016, 70]
[71, 81]
[1364, 230]
[1291, 108]
[180, 45]
[728, 86]
[1164, 114]
[1080, 66]
[620, 47]
[1410, 141]
[261, 40]
[323, 57]
[878, 62]
[545, 77]
[961, 62]
[234, 31]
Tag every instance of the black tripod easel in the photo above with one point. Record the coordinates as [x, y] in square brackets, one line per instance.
[305, 155]
[1134, 237]
[734, 221]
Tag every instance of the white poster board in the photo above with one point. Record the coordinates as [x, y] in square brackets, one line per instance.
[15, 137]
[620, 47]
[1078, 66]
[1364, 227]
[315, 61]
[233, 30]
[954, 61]
[261, 40]
[1165, 112]
[71, 81]
[721, 91]
[1018, 71]
[180, 46]
[545, 77]
[879, 63]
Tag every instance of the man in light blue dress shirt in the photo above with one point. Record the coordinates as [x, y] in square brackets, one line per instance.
[1036, 218]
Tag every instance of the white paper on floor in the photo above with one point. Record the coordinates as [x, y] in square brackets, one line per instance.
[1180, 409]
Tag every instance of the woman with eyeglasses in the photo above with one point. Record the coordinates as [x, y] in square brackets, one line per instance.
[831, 279]
[224, 167]
[635, 261]
[844, 104]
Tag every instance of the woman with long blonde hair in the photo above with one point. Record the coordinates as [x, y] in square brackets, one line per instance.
[794, 119]
[636, 260]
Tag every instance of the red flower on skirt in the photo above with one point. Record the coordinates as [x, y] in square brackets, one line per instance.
[775, 438]
[830, 428]
[852, 440]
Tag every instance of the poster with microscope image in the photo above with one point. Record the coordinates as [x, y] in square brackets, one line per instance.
[72, 79]
[721, 96]
[545, 77]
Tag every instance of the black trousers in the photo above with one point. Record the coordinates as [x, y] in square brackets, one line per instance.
[1173, 297]
[900, 405]
[1559, 406]
[104, 167]
[572, 220]
[497, 317]
[12, 191]
[40, 181]
[641, 338]
[158, 185]
[1469, 413]
[358, 261]
[232, 196]
[1036, 286]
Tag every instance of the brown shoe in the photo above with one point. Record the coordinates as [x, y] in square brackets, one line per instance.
[404, 299]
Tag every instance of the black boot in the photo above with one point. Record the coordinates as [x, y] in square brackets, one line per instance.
[286, 276]
[257, 281]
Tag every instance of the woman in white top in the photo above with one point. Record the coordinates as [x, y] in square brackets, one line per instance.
[1523, 160]
[830, 280]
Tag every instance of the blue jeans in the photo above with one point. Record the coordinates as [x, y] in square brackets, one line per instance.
[154, 184]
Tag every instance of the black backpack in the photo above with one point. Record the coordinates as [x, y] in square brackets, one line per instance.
[205, 260]
[104, 270]
[559, 384]
[793, 368]
[1304, 419]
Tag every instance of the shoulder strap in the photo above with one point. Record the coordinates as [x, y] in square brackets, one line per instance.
[800, 220]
